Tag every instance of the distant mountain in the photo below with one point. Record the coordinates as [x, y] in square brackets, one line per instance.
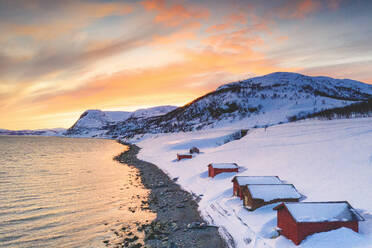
[95, 123]
[96, 119]
[259, 101]
[41, 132]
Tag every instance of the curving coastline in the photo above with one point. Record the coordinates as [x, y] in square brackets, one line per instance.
[178, 222]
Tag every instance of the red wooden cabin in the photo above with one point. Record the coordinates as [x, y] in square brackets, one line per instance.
[240, 181]
[298, 220]
[183, 156]
[217, 168]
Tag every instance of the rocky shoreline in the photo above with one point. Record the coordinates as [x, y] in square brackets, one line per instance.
[178, 223]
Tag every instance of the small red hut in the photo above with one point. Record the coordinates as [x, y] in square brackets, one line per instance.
[183, 156]
[217, 168]
[298, 220]
[258, 195]
[240, 181]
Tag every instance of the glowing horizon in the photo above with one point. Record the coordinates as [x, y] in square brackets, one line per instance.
[59, 59]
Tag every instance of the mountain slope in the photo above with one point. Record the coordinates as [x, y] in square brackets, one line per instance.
[265, 100]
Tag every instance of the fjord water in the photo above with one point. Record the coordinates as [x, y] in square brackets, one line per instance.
[63, 192]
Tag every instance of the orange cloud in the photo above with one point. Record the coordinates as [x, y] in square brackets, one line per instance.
[219, 27]
[236, 41]
[174, 83]
[231, 21]
[174, 14]
[179, 36]
[238, 20]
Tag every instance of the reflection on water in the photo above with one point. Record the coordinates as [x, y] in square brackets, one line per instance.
[61, 192]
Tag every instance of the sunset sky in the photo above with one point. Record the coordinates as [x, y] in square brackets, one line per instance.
[59, 58]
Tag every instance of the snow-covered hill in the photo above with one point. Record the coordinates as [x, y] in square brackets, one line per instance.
[95, 119]
[259, 101]
[95, 123]
[325, 160]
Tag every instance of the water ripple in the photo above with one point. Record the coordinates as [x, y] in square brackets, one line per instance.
[59, 192]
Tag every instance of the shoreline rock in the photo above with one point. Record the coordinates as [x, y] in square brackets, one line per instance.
[178, 223]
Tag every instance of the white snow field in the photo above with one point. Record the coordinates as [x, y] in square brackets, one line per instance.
[324, 160]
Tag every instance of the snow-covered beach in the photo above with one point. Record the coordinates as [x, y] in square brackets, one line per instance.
[325, 160]
[178, 222]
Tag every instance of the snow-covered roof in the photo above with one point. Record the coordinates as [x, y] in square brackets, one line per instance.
[269, 192]
[224, 165]
[244, 180]
[322, 211]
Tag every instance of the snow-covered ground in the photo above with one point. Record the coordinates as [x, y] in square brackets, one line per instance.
[325, 160]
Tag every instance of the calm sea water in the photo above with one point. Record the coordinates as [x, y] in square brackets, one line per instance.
[61, 192]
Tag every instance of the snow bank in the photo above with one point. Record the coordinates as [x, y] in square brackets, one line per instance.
[324, 160]
[342, 237]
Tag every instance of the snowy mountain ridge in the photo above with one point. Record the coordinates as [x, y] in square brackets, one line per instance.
[322, 84]
[259, 101]
[95, 118]
[94, 123]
